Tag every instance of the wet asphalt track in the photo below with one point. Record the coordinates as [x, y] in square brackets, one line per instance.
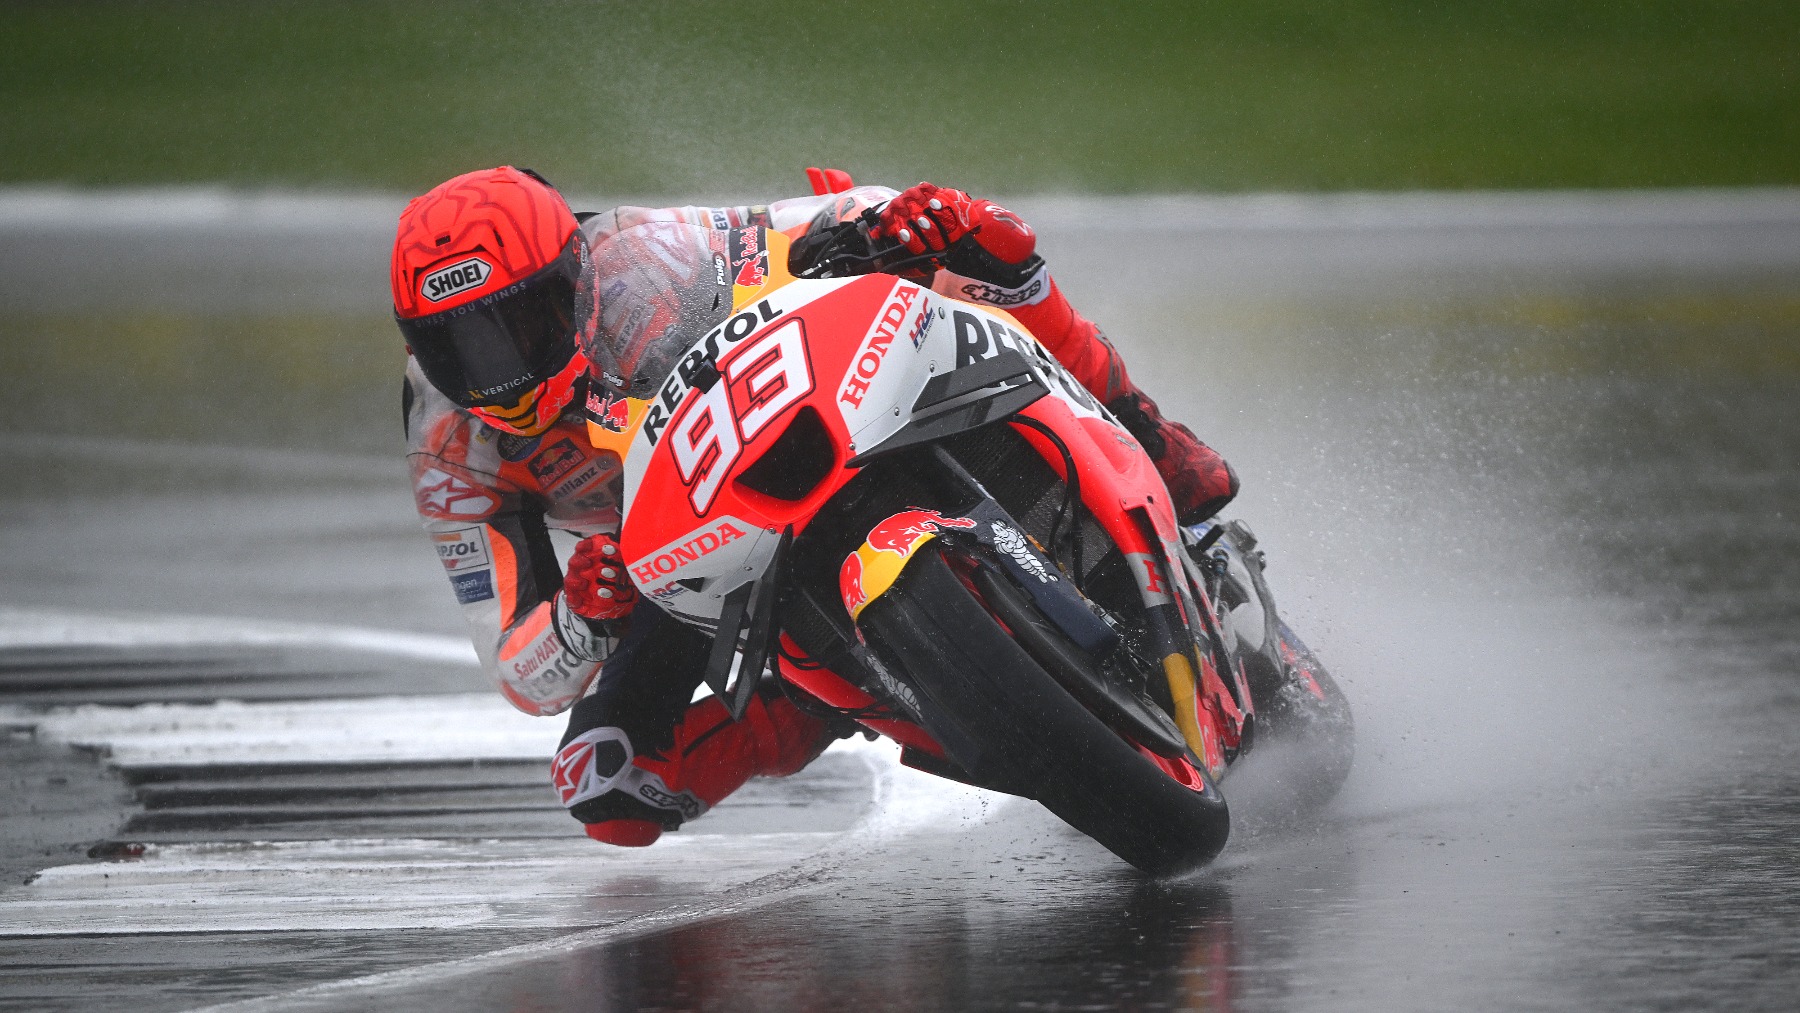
[1561, 591]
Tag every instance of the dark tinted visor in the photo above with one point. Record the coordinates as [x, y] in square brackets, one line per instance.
[494, 349]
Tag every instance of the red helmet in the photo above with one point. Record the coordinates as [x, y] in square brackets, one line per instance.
[494, 292]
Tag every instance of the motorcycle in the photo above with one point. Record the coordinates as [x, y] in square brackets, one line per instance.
[902, 507]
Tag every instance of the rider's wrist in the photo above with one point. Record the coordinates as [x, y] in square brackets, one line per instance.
[587, 639]
[983, 278]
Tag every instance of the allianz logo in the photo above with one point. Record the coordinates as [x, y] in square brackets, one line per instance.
[458, 277]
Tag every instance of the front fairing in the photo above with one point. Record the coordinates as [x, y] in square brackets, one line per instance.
[856, 355]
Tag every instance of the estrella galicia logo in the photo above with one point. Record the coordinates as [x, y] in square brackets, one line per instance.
[474, 586]
[461, 276]
[516, 448]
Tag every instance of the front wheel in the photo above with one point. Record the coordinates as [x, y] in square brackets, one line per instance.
[973, 676]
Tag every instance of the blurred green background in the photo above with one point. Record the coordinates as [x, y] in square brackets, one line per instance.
[685, 97]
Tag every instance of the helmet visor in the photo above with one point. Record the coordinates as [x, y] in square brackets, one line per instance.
[494, 349]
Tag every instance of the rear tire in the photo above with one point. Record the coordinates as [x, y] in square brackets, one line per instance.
[976, 677]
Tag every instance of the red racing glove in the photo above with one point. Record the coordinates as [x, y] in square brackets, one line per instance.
[596, 586]
[597, 595]
[932, 219]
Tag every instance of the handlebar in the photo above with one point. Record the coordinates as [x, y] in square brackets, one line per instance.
[848, 249]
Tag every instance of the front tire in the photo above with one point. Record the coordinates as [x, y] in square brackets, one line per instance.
[974, 676]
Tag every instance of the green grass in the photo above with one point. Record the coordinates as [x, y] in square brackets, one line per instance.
[680, 97]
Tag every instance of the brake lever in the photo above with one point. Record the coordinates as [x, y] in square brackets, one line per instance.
[832, 264]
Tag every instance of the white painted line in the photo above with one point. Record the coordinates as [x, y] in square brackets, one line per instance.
[346, 885]
[359, 885]
[461, 726]
[364, 885]
[24, 628]
[908, 802]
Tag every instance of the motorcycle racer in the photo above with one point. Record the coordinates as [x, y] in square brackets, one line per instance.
[513, 309]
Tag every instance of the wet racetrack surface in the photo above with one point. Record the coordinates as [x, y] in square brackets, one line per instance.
[1526, 474]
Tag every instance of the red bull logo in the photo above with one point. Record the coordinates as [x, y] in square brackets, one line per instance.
[901, 532]
[555, 461]
[755, 270]
[611, 420]
[850, 585]
[752, 259]
[614, 414]
[868, 572]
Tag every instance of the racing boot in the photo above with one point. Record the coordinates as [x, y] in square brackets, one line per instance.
[627, 793]
[1199, 480]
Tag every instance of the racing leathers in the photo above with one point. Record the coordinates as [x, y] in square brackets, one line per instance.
[638, 758]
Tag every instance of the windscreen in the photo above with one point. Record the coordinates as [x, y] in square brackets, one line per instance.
[662, 285]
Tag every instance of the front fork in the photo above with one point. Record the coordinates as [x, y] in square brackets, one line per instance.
[1207, 687]
[1215, 716]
